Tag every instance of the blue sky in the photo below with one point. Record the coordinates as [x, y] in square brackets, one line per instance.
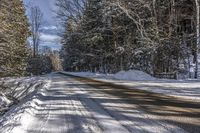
[49, 35]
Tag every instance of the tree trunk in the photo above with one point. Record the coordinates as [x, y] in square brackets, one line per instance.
[197, 36]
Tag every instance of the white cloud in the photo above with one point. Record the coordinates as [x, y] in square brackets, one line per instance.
[51, 45]
[46, 39]
[49, 28]
[50, 38]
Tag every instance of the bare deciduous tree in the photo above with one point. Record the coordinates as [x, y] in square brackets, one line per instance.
[36, 22]
[70, 8]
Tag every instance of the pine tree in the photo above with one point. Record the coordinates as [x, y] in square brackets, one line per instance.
[93, 38]
[13, 38]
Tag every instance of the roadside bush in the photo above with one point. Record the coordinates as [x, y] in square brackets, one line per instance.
[39, 65]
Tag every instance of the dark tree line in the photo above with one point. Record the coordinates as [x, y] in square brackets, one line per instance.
[156, 36]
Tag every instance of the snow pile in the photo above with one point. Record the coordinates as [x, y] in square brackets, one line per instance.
[134, 75]
[18, 118]
[14, 89]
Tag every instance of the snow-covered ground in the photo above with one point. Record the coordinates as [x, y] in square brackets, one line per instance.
[189, 89]
[65, 105]
[19, 116]
[13, 90]
[122, 75]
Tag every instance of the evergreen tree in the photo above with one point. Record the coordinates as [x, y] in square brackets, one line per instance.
[13, 38]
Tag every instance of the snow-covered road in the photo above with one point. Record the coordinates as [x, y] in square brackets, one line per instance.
[68, 105]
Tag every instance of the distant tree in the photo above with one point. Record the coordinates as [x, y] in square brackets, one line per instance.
[56, 62]
[39, 65]
[36, 23]
[45, 50]
[54, 56]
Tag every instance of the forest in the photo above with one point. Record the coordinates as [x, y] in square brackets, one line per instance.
[108, 36]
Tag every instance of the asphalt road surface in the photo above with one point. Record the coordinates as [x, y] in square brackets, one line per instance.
[78, 105]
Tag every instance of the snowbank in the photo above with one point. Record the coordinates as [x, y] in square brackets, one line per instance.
[131, 75]
[14, 89]
[134, 75]
[18, 118]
